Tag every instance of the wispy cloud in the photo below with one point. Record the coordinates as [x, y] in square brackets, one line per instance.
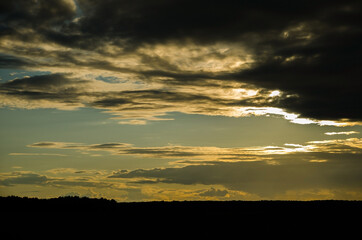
[262, 179]
[341, 133]
[37, 154]
[272, 172]
[198, 154]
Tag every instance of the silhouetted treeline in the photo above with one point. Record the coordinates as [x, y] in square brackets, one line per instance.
[324, 218]
[84, 204]
[64, 204]
[60, 204]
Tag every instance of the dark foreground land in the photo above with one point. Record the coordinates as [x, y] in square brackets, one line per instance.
[101, 216]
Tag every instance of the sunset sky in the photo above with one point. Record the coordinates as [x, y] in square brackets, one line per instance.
[142, 100]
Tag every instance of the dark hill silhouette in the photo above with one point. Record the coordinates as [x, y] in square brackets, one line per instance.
[259, 217]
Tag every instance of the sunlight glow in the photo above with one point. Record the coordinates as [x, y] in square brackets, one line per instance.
[292, 117]
[275, 93]
[245, 92]
[341, 133]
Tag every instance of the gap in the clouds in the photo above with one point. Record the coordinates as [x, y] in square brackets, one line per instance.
[91, 126]
[108, 79]
[10, 74]
[220, 131]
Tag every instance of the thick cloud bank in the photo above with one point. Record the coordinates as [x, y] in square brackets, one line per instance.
[165, 54]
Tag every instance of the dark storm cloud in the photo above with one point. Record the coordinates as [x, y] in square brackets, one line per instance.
[320, 61]
[309, 49]
[325, 74]
[154, 21]
[36, 13]
[205, 21]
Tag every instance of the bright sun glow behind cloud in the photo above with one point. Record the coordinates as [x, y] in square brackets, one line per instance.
[294, 118]
[275, 93]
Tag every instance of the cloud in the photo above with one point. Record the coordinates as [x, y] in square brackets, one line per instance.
[271, 171]
[33, 178]
[8, 61]
[24, 178]
[37, 154]
[331, 153]
[44, 91]
[313, 151]
[204, 23]
[330, 166]
[350, 145]
[67, 181]
[54, 145]
[214, 193]
[67, 92]
[197, 153]
[80, 183]
[315, 59]
[164, 56]
[259, 178]
[341, 133]
[342, 145]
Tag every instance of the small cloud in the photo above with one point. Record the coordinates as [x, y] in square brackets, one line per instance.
[96, 155]
[214, 193]
[16, 167]
[134, 122]
[61, 171]
[293, 145]
[71, 194]
[146, 181]
[43, 144]
[341, 133]
[56, 145]
[24, 178]
[37, 154]
[318, 161]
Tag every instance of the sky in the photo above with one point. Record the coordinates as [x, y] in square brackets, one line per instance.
[147, 100]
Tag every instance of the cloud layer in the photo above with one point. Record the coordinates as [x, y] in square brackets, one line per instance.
[318, 169]
[313, 150]
[141, 59]
[268, 172]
